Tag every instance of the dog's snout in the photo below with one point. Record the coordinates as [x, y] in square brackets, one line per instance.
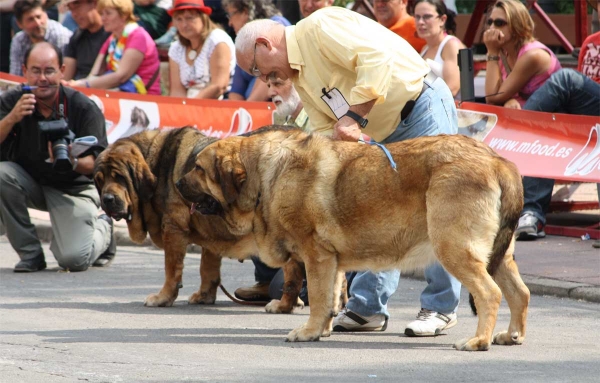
[108, 199]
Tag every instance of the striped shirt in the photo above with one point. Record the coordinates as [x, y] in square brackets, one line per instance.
[55, 34]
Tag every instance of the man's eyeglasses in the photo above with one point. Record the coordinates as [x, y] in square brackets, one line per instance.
[230, 15]
[254, 70]
[426, 17]
[498, 23]
[48, 72]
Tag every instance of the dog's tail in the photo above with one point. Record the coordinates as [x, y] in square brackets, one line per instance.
[511, 204]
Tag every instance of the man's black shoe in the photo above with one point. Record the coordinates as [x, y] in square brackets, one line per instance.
[108, 256]
[30, 265]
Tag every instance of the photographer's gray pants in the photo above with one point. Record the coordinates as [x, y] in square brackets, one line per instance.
[79, 237]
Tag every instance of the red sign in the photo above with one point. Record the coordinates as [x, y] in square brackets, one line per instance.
[548, 145]
[127, 113]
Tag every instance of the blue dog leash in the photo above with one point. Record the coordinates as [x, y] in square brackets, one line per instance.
[385, 151]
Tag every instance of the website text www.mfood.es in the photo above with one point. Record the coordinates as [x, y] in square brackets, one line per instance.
[535, 147]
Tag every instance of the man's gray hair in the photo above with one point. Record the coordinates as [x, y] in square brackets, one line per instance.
[246, 37]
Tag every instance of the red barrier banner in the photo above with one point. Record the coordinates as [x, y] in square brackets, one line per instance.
[549, 145]
[128, 113]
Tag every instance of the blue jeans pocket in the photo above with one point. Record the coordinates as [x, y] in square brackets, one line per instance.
[421, 111]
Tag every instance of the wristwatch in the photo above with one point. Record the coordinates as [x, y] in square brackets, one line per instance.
[492, 58]
[361, 121]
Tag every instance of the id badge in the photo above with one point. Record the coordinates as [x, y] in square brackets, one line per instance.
[336, 102]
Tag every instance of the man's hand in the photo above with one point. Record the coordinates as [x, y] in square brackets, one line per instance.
[346, 129]
[24, 107]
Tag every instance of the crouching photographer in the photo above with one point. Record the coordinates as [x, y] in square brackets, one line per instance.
[38, 122]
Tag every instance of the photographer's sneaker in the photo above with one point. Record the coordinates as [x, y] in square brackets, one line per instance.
[106, 258]
[430, 323]
[348, 321]
[529, 227]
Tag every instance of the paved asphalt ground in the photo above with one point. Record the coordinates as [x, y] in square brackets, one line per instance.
[92, 327]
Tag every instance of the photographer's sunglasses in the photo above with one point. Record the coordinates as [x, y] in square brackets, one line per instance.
[498, 23]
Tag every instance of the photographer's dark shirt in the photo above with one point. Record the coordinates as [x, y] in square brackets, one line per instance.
[26, 146]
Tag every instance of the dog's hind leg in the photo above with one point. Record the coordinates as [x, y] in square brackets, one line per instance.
[293, 276]
[210, 278]
[473, 275]
[321, 275]
[517, 296]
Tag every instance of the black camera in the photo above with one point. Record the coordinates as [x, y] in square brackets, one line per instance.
[58, 133]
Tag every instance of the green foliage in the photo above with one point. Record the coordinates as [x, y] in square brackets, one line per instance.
[465, 6]
[341, 3]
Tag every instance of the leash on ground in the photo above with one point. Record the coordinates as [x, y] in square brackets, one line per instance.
[238, 301]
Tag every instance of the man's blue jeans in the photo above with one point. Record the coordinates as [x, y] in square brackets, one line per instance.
[566, 91]
[434, 113]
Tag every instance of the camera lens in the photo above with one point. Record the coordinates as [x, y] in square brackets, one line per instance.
[60, 150]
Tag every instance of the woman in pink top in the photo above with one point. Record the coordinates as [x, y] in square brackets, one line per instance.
[517, 64]
[128, 60]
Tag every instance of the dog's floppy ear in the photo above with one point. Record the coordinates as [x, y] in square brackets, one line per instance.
[99, 181]
[142, 178]
[98, 174]
[231, 175]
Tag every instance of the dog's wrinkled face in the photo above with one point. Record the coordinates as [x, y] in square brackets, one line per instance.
[112, 186]
[120, 176]
[216, 180]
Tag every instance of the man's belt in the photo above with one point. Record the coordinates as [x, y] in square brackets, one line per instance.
[410, 104]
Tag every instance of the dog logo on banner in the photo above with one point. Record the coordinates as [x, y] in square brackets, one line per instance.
[588, 159]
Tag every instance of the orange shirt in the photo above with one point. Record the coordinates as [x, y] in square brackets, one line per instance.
[407, 29]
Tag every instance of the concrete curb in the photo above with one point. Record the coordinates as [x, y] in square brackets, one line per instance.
[537, 285]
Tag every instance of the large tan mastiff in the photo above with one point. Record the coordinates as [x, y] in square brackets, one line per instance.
[341, 206]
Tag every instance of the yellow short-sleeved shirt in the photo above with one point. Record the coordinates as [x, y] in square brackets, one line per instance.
[338, 48]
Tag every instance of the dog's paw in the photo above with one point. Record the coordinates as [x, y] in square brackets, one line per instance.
[303, 334]
[472, 344]
[274, 307]
[157, 300]
[506, 339]
[202, 298]
[299, 303]
[278, 307]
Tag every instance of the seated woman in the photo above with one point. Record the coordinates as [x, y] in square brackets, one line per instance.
[435, 24]
[517, 64]
[240, 12]
[202, 61]
[128, 60]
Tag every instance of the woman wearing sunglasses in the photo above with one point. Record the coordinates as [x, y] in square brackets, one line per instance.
[435, 24]
[517, 64]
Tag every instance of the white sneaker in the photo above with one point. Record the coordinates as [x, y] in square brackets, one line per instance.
[430, 323]
[347, 321]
